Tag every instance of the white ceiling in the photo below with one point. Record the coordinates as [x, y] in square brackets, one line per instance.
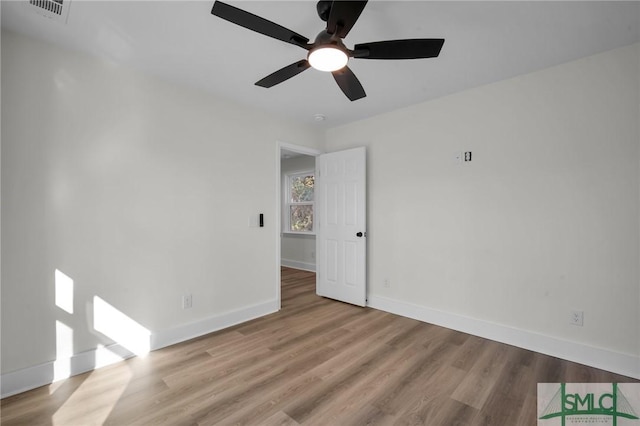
[484, 42]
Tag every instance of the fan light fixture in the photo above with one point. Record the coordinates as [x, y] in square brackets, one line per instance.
[327, 58]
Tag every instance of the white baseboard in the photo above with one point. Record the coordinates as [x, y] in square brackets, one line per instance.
[615, 362]
[305, 266]
[44, 374]
[47, 373]
[211, 324]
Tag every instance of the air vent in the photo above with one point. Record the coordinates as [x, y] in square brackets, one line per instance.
[54, 9]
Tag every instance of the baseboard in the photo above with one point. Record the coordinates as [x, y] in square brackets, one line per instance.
[305, 266]
[49, 372]
[45, 374]
[211, 324]
[615, 362]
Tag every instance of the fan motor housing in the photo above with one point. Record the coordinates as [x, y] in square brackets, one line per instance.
[325, 39]
[324, 9]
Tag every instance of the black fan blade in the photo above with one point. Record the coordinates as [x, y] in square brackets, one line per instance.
[349, 83]
[257, 24]
[284, 74]
[399, 49]
[343, 16]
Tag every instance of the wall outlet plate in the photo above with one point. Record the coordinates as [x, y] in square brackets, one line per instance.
[577, 318]
[187, 301]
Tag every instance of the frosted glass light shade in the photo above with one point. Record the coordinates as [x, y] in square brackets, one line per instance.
[327, 58]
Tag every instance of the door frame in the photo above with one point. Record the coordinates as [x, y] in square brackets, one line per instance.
[278, 216]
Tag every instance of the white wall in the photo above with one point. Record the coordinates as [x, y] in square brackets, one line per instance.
[138, 190]
[297, 250]
[545, 219]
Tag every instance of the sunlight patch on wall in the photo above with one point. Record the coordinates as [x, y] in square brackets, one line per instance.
[120, 328]
[64, 291]
[106, 357]
[64, 351]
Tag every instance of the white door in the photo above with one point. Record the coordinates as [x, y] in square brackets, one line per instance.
[341, 226]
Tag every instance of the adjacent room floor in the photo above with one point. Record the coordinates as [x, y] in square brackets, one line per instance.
[316, 361]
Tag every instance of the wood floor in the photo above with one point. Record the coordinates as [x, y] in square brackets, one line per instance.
[316, 362]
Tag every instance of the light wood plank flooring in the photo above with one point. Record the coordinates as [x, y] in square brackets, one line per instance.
[316, 362]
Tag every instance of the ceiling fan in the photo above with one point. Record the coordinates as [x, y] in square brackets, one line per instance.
[328, 52]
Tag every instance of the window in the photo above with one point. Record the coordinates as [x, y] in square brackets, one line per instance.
[299, 202]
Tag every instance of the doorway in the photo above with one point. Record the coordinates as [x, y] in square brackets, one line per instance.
[340, 221]
[296, 243]
[298, 239]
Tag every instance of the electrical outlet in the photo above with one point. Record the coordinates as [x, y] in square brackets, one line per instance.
[387, 284]
[467, 156]
[577, 318]
[187, 301]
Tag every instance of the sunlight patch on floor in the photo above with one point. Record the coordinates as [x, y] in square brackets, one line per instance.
[93, 401]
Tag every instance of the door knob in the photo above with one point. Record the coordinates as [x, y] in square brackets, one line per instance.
[359, 234]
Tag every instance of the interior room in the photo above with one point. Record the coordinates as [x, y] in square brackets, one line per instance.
[298, 242]
[149, 237]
